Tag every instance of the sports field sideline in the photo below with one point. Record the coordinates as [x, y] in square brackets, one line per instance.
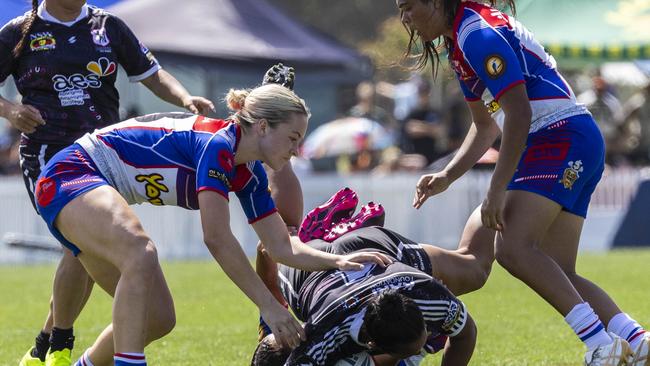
[216, 325]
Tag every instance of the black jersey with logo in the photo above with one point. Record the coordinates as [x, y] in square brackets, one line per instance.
[332, 303]
[68, 72]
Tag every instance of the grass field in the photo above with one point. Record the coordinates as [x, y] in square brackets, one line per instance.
[216, 325]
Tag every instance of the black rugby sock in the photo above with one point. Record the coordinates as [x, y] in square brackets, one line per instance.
[41, 345]
[60, 339]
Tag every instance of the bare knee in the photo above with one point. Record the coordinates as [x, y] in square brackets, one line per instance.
[476, 275]
[480, 274]
[142, 261]
[477, 269]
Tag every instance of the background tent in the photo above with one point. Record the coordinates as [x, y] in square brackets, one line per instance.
[577, 32]
[213, 45]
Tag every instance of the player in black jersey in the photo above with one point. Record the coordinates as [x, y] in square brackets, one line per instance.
[63, 57]
[333, 305]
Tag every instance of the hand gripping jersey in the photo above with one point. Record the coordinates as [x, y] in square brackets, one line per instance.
[332, 303]
[167, 158]
[493, 52]
[68, 71]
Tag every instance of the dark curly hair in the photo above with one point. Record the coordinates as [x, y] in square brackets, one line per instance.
[269, 353]
[392, 321]
[431, 50]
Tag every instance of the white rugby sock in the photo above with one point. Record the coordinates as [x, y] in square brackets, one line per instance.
[587, 326]
[627, 328]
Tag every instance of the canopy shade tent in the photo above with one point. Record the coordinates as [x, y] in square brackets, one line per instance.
[581, 31]
[226, 29]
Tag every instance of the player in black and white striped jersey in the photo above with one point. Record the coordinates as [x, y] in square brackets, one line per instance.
[391, 311]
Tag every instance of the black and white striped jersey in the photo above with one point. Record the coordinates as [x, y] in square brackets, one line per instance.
[332, 303]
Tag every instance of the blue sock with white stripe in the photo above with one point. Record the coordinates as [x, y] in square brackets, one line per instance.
[84, 360]
[627, 328]
[129, 359]
[587, 326]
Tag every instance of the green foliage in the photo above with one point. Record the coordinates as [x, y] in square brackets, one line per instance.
[217, 325]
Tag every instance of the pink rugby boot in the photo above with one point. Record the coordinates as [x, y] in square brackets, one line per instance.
[372, 214]
[319, 220]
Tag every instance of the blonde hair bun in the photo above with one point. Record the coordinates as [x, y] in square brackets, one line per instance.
[236, 99]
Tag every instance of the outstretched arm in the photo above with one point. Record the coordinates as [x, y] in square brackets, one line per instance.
[293, 253]
[224, 247]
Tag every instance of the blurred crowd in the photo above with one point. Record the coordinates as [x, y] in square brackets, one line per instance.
[416, 125]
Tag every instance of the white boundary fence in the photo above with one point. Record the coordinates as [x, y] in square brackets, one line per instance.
[177, 232]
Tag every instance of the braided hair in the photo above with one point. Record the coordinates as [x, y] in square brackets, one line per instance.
[25, 28]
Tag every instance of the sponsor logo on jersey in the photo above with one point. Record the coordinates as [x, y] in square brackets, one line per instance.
[571, 174]
[402, 282]
[71, 88]
[453, 313]
[492, 106]
[153, 187]
[42, 41]
[495, 66]
[100, 37]
[102, 67]
[214, 173]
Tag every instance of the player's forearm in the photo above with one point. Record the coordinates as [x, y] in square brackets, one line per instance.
[267, 269]
[513, 143]
[301, 256]
[167, 88]
[479, 138]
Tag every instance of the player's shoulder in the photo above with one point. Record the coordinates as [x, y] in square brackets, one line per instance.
[474, 16]
[97, 12]
[103, 18]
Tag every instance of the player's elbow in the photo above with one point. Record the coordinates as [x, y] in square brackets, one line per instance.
[279, 252]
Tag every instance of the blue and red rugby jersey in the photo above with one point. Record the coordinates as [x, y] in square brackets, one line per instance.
[492, 53]
[68, 70]
[167, 158]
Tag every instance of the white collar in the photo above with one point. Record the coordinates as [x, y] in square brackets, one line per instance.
[43, 14]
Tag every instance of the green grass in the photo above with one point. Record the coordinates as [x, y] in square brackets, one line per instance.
[216, 325]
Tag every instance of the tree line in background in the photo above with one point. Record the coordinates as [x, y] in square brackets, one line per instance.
[370, 26]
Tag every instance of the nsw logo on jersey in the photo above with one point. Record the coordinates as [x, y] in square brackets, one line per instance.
[495, 66]
[42, 41]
